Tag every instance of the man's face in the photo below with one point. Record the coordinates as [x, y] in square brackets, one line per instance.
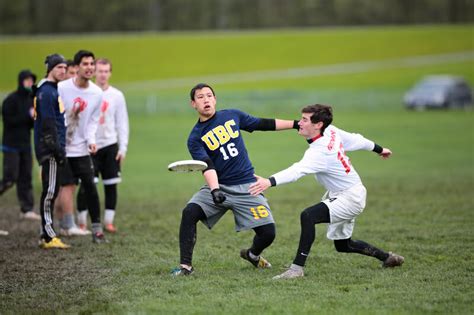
[204, 102]
[28, 83]
[71, 72]
[59, 72]
[102, 73]
[307, 128]
[86, 68]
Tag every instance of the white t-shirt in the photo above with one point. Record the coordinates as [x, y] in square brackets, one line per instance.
[326, 158]
[113, 120]
[82, 115]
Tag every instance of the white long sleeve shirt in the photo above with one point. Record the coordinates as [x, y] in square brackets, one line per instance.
[113, 120]
[82, 115]
[326, 158]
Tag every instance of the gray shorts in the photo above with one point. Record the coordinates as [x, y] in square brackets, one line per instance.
[249, 211]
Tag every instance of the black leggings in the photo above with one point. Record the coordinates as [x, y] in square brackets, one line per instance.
[193, 213]
[110, 194]
[319, 213]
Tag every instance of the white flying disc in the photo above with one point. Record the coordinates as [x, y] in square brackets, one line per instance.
[187, 166]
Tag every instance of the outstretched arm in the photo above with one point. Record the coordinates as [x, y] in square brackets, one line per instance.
[286, 124]
[355, 141]
[266, 124]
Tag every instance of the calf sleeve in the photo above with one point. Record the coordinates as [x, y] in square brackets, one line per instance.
[264, 236]
[191, 215]
[81, 199]
[110, 192]
[311, 216]
[360, 247]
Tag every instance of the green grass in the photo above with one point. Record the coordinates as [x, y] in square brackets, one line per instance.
[420, 202]
[139, 57]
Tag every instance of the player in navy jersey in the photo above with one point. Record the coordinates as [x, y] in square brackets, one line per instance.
[217, 140]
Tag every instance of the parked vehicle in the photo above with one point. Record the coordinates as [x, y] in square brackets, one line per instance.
[439, 91]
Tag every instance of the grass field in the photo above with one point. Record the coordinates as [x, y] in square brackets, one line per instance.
[420, 202]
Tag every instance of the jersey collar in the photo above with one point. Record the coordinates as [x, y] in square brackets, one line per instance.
[311, 140]
[210, 119]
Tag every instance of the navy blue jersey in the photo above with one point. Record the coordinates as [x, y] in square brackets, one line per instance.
[220, 140]
[49, 121]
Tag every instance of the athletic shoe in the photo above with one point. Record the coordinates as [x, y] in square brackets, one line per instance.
[30, 215]
[83, 227]
[110, 228]
[261, 262]
[290, 274]
[393, 260]
[3, 233]
[74, 231]
[54, 243]
[99, 238]
[181, 271]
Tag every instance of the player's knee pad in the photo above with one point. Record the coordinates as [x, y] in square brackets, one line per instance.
[343, 246]
[193, 213]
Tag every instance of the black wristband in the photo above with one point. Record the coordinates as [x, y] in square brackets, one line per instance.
[295, 125]
[272, 181]
[377, 149]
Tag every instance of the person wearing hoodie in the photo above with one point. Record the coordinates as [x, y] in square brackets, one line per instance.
[17, 115]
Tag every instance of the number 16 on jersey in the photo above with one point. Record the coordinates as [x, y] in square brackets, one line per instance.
[233, 152]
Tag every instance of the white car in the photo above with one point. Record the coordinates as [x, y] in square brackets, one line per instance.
[439, 91]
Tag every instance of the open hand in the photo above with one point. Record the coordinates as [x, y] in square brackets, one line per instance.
[259, 186]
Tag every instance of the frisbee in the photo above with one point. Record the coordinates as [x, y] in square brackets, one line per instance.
[187, 166]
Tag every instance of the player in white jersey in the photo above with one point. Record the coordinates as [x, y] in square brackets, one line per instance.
[82, 100]
[112, 141]
[345, 196]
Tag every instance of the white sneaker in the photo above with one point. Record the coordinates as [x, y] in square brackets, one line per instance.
[30, 215]
[3, 233]
[290, 274]
[74, 231]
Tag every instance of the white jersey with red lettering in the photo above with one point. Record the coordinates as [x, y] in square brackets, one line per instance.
[326, 158]
[82, 107]
[113, 121]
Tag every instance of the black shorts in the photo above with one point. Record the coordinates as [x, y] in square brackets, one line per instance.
[77, 168]
[106, 165]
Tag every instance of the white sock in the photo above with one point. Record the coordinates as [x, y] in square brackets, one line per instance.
[82, 217]
[252, 256]
[296, 267]
[109, 216]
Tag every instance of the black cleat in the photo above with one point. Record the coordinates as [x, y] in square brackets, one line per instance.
[261, 262]
[181, 271]
[393, 260]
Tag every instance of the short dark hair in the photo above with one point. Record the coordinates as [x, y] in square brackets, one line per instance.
[200, 86]
[70, 63]
[82, 54]
[319, 113]
[104, 61]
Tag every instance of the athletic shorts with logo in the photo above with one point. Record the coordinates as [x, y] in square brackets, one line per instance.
[249, 211]
[77, 168]
[344, 206]
[106, 164]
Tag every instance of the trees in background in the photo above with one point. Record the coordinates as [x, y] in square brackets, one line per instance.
[67, 16]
